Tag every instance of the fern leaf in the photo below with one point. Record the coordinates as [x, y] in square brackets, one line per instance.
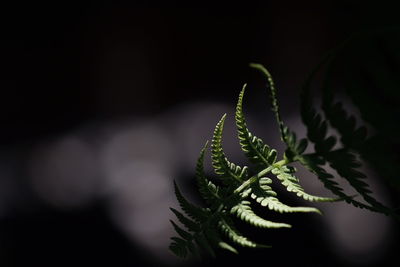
[316, 132]
[274, 99]
[274, 204]
[254, 147]
[264, 184]
[185, 235]
[228, 229]
[227, 170]
[294, 148]
[262, 190]
[244, 212]
[351, 136]
[327, 179]
[316, 126]
[266, 197]
[188, 223]
[291, 139]
[228, 247]
[216, 241]
[179, 247]
[285, 175]
[345, 163]
[287, 136]
[207, 189]
[312, 164]
[195, 212]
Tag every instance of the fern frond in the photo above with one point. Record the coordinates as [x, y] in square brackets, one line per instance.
[311, 163]
[287, 136]
[204, 227]
[208, 190]
[345, 163]
[262, 190]
[216, 240]
[244, 212]
[183, 244]
[266, 197]
[351, 136]
[264, 184]
[185, 235]
[179, 247]
[274, 99]
[254, 147]
[228, 247]
[294, 148]
[195, 212]
[316, 126]
[188, 223]
[317, 130]
[229, 230]
[285, 175]
[222, 166]
[274, 204]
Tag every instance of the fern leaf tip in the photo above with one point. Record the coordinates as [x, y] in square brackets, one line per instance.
[255, 65]
[205, 145]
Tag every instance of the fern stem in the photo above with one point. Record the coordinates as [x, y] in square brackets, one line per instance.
[256, 177]
[245, 185]
[282, 163]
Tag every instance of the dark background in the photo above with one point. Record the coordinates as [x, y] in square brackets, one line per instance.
[65, 66]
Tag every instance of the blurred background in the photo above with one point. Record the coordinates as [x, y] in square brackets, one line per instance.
[104, 104]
